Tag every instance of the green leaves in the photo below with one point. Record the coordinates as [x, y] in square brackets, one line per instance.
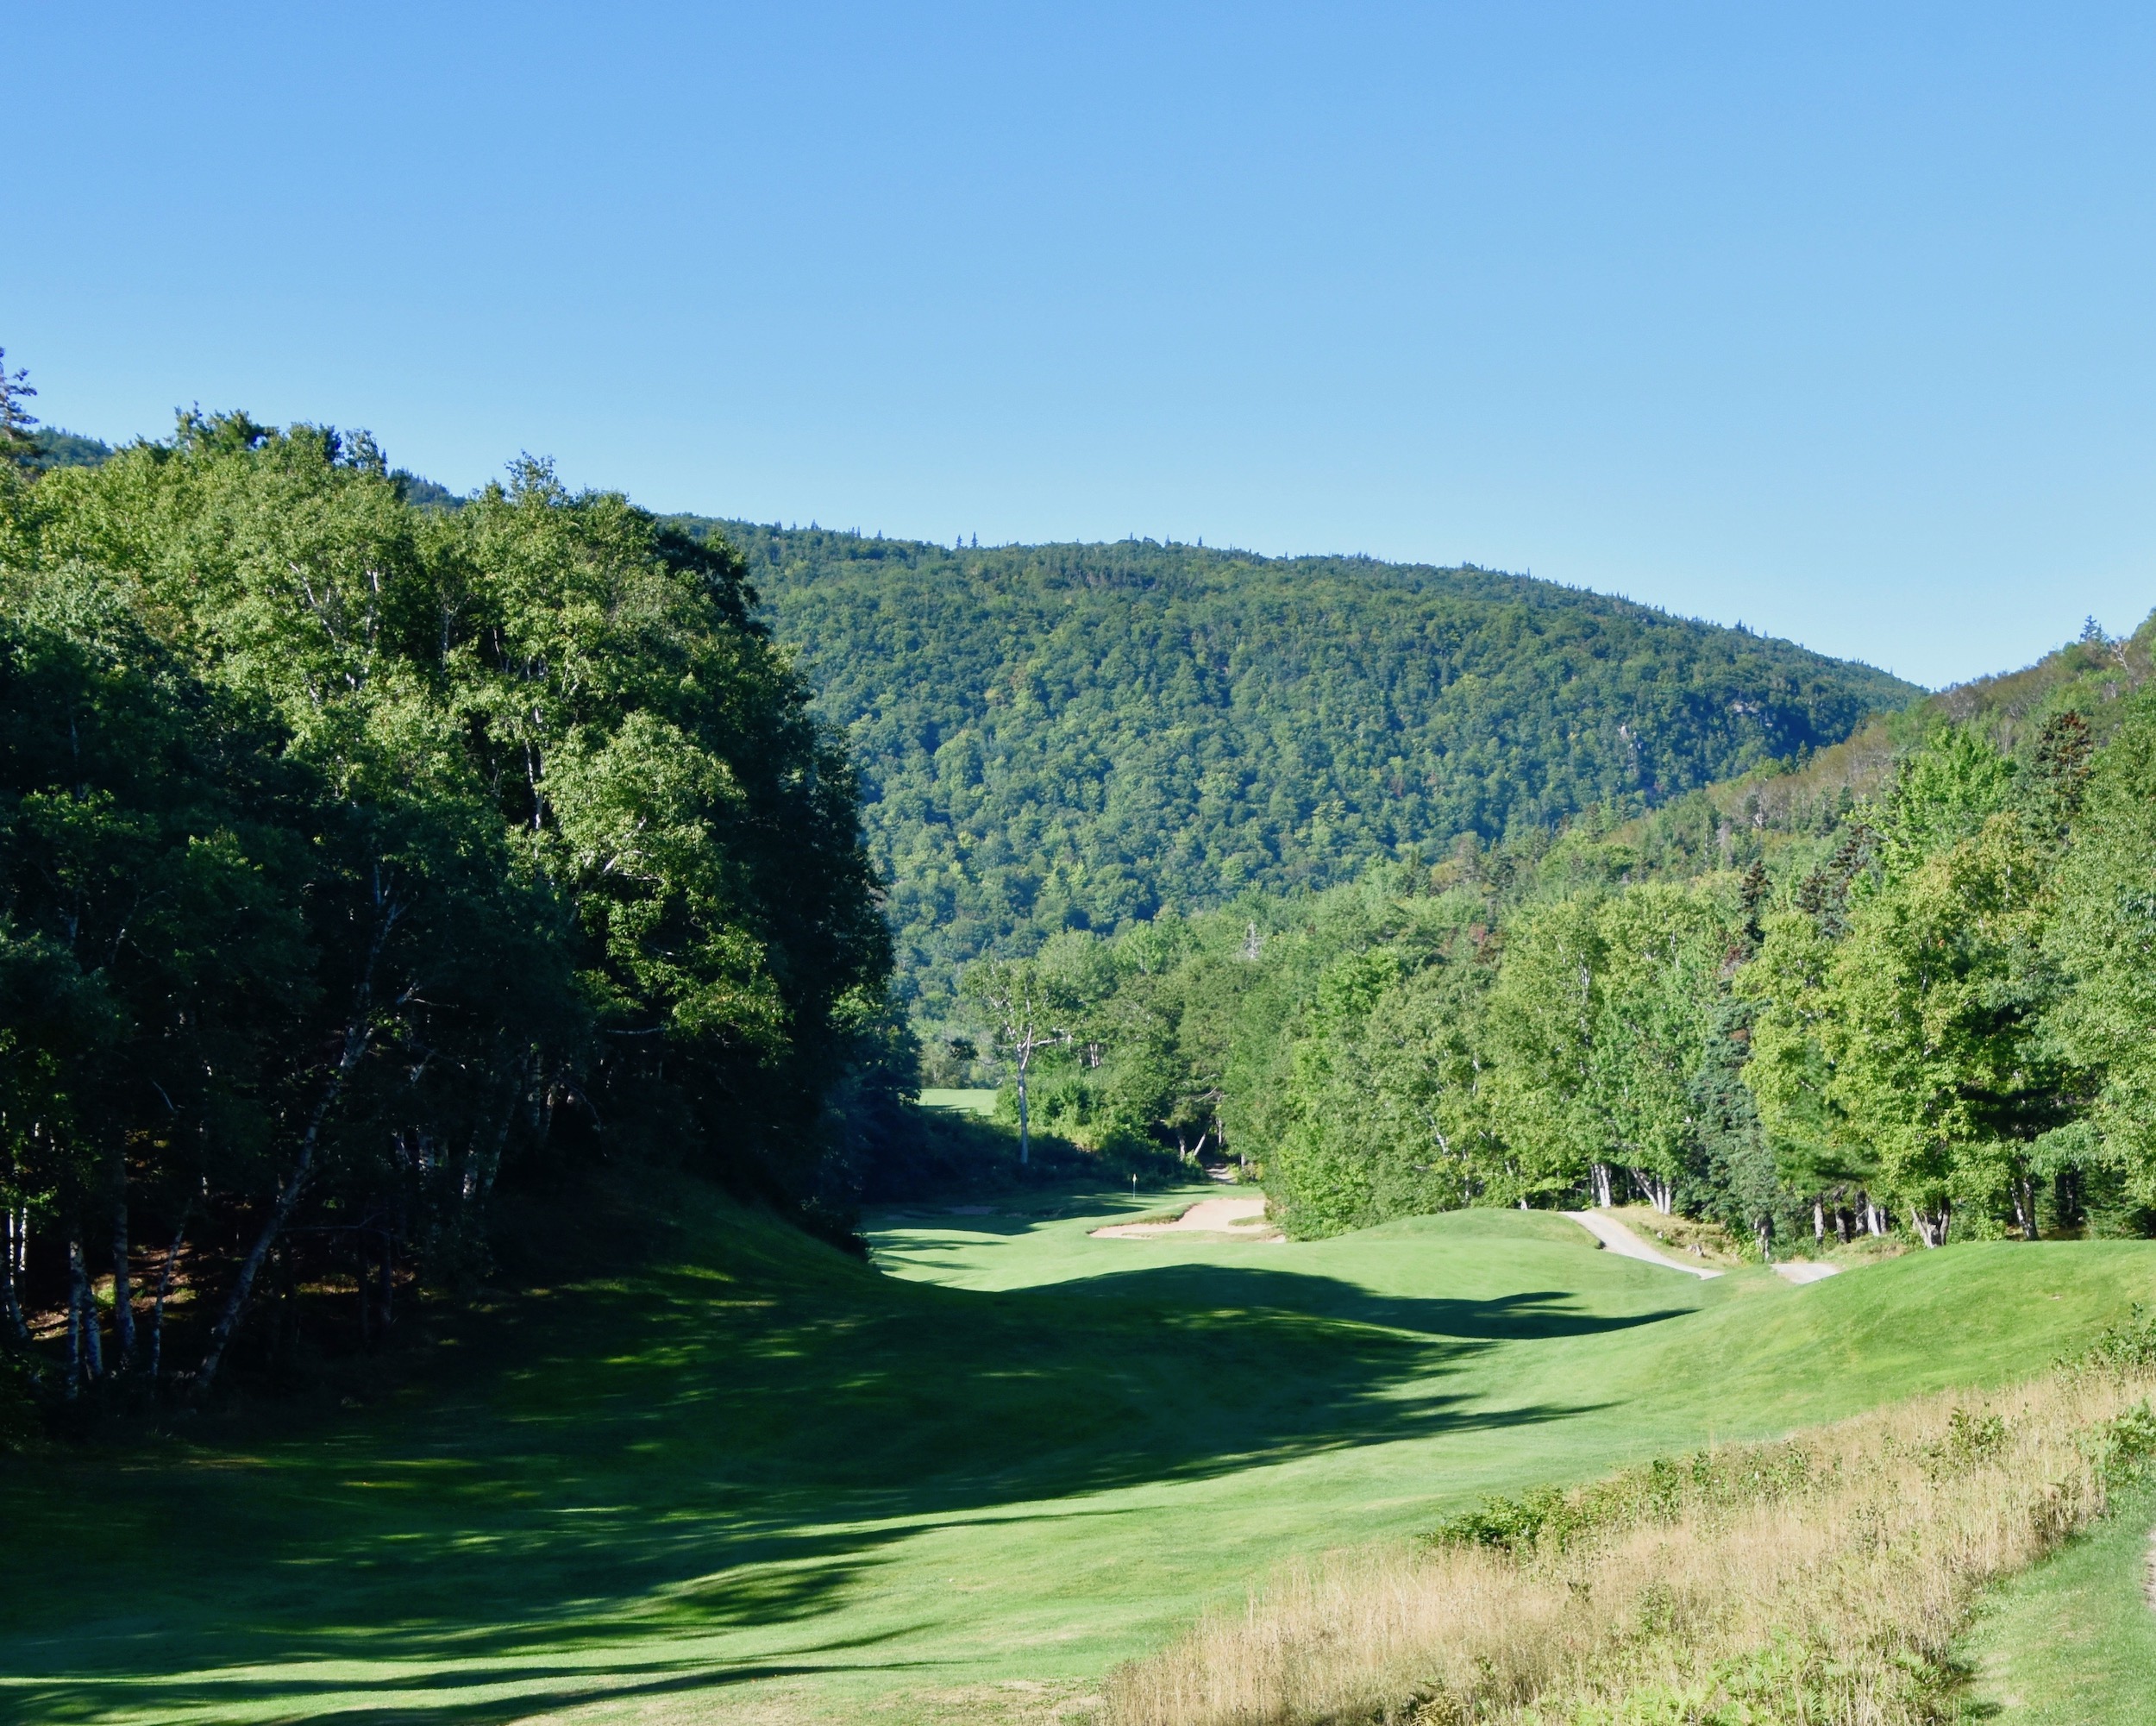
[1068, 736]
[2104, 940]
[392, 845]
[1920, 1020]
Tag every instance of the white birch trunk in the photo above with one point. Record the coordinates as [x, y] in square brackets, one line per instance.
[18, 1245]
[1025, 1126]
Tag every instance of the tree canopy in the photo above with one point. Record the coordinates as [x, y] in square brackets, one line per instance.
[1079, 736]
[1932, 1012]
[359, 858]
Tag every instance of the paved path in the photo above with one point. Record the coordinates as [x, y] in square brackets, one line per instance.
[1207, 1216]
[1618, 1239]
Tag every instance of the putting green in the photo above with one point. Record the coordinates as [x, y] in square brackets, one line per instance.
[764, 1481]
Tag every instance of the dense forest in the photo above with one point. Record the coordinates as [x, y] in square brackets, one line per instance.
[1907, 989]
[362, 861]
[1082, 736]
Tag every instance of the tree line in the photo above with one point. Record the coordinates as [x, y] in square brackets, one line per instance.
[1929, 1011]
[360, 860]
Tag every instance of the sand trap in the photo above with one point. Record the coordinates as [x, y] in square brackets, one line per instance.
[1806, 1271]
[1618, 1239]
[1208, 1217]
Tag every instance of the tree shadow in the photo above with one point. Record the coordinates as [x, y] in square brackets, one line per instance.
[689, 1451]
[531, 1690]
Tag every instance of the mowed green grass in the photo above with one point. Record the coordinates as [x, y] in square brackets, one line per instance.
[2073, 1642]
[764, 1481]
[981, 1102]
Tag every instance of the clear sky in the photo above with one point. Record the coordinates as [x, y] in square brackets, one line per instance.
[1839, 320]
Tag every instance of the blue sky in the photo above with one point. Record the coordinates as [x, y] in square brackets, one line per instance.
[1838, 321]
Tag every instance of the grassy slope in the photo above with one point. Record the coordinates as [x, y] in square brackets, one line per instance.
[764, 1480]
[2073, 1642]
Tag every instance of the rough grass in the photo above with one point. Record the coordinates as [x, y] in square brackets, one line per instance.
[1678, 1235]
[1820, 1579]
[757, 1479]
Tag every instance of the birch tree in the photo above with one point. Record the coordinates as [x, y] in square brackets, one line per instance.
[1024, 1017]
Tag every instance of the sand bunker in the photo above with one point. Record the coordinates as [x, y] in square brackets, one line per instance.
[1243, 1219]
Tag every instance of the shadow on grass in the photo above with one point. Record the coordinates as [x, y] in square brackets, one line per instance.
[523, 1692]
[689, 1452]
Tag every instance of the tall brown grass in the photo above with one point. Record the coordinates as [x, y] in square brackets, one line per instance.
[1819, 1579]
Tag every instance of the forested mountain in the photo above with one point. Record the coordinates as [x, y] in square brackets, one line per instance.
[2092, 678]
[1909, 986]
[1077, 735]
[50, 447]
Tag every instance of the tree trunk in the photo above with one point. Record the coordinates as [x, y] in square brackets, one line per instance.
[389, 1280]
[1024, 1138]
[1819, 1223]
[122, 1285]
[74, 1319]
[358, 1033]
[1660, 1192]
[85, 1345]
[2067, 1197]
[356, 1036]
[1599, 1174]
[362, 1274]
[17, 1253]
[164, 1288]
[481, 1168]
[1932, 1225]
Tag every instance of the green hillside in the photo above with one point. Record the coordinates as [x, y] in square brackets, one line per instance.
[2093, 677]
[1078, 735]
[758, 1480]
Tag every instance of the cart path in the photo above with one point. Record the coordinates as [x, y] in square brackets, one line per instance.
[1618, 1239]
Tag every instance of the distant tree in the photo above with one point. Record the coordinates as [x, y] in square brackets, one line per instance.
[1025, 1015]
[1539, 1029]
[1384, 1118]
[2104, 940]
[1665, 947]
[18, 444]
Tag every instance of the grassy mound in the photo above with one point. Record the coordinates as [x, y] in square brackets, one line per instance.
[759, 1476]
